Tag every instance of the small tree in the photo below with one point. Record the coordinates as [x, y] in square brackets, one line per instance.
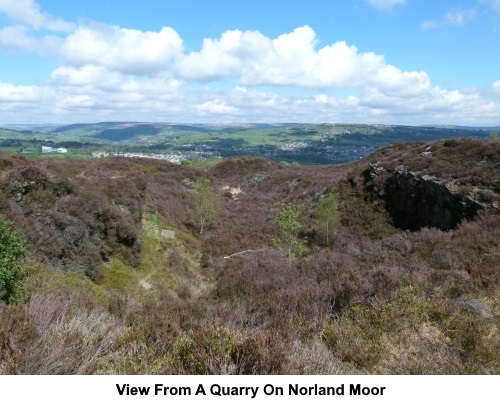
[12, 253]
[207, 203]
[494, 136]
[327, 212]
[288, 240]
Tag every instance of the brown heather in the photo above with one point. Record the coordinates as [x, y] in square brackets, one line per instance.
[106, 293]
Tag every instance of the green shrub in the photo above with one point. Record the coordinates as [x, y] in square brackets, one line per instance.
[12, 254]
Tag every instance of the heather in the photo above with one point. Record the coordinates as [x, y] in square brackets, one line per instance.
[119, 278]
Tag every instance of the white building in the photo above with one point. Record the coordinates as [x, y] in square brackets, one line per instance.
[48, 149]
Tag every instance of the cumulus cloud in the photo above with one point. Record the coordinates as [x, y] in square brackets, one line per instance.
[24, 94]
[292, 60]
[496, 87]
[117, 49]
[216, 106]
[222, 58]
[18, 39]
[80, 94]
[27, 18]
[435, 101]
[456, 17]
[98, 83]
[385, 4]
[115, 73]
[91, 93]
[28, 13]
[88, 75]
[121, 49]
[370, 106]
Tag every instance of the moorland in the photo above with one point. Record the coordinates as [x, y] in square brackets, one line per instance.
[388, 264]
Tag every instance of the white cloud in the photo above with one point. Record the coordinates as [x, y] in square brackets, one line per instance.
[114, 73]
[496, 87]
[118, 49]
[371, 106]
[435, 101]
[121, 49]
[215, 107]
[460, 17]
[385, 4]
[80, 94]
[27, 12]
[97, 82]
[24, 94]
[222, 58]
[430, 24]
[18, 39]
[88, 75]
[456, 17]
[495, 4]
[292, 60]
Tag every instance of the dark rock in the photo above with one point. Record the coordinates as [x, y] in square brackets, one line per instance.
[416, 201]
[188, 184]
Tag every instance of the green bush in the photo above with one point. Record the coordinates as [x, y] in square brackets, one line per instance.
[12, 254]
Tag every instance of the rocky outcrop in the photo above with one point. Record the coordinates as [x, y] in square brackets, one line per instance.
[416, 201]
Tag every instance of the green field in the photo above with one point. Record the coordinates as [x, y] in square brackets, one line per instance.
[304, 143]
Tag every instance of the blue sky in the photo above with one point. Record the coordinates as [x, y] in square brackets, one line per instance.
[374, 61]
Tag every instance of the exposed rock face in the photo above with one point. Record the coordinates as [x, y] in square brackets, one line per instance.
[416, 201]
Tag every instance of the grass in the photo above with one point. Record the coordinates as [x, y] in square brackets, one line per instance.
[166, 267]
[413, 334]
[170, 266]
[55, 283]
[119, 277]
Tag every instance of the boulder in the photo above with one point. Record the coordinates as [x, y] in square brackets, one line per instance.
[167, 234]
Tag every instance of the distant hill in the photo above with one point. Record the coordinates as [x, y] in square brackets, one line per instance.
[309, 144]
[66, 128]
[127, 132]
[487, 129]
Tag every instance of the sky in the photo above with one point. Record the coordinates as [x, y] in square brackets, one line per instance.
[408, 62]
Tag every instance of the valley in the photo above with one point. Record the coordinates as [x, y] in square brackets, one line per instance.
[308, 144]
